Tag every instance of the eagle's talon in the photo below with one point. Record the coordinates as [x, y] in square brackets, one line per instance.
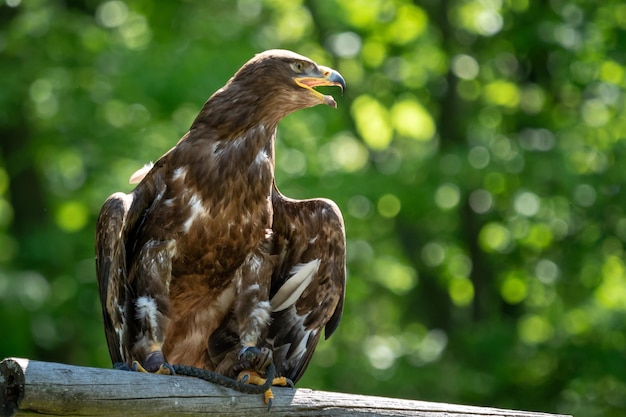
[283, 381]
[250, 377]
[136, 367]
[154, 361]
[268, 397]
[166, 369]
[253, 357]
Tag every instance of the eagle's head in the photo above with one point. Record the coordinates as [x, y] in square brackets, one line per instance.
[283, 81]
[265, 89]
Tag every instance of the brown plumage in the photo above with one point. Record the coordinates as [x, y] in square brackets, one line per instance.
[205, 257]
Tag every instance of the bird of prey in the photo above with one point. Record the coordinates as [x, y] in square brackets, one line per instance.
[205, 263]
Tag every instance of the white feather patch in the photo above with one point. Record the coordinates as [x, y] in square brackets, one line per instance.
[301, 348]
[259, 319]
[147, 310]
[292, 289]
[180, 173]
[120, 328]
[261, 157]
[256, 262]
[197, 210]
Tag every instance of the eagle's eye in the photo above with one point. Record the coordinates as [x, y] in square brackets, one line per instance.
[297, 66]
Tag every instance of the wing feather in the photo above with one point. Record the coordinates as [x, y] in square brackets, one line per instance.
[120, 217]
[308, 285]
[112, 272]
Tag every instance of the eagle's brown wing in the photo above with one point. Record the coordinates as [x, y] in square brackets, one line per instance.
[308, 284]
[119, 218]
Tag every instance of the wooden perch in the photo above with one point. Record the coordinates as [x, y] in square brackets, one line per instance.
[29, 388]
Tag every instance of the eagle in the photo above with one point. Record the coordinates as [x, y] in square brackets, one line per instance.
[205, 263]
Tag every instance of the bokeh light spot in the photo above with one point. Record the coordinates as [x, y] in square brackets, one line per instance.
[72, 216]
[382, 351]
[534, 329]
[292, 162]
[32, 290]
[389, 205]
[595, 113]
[461, 291]
[410, 119]
[547, 271]
[4, 181]
[395, 276]
[527, 204]
[112, 14]
[481, 201]
[345, 44]
[447, 196]
[433, 254]
[585, 195]
[465, 67]
[494, 237]
[612, 72]
[359, 206]
[372, 121]
[348, 153]
[410, 22]
[6, 212]
[514, 288]
[478, 157]
[502, 93]
[576, 322]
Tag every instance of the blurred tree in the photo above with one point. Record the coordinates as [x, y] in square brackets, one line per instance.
[476, 157]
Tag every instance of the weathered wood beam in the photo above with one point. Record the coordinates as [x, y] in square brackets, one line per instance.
[29, 388]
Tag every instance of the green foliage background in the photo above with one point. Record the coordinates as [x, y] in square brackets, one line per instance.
[477, 155]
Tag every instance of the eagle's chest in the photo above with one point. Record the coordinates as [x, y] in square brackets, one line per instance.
[220, 220]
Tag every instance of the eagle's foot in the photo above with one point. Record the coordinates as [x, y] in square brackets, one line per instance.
[155, 364]
[268, 398]
[283, 381]
[164, 369]
[252, 377]
[252, 357]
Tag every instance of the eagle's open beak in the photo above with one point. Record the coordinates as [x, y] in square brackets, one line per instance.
[328, 76]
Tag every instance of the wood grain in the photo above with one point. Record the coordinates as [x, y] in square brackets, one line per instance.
[29, 388]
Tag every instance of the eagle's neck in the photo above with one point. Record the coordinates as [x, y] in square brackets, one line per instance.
[230, 148]
[234, 112]
[217, 164]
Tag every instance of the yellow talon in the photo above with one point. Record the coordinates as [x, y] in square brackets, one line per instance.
[268, 397]
[281, 381]
[138, 368]
[163, 370]
[250, 377]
